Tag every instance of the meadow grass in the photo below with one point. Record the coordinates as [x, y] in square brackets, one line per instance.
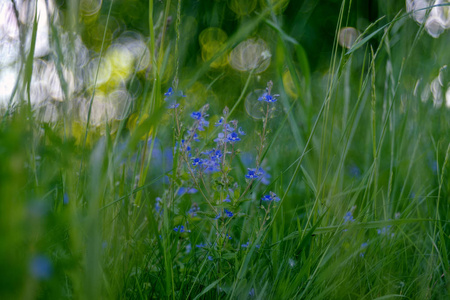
[358, 158]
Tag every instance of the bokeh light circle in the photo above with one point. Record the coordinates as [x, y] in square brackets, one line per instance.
[251, 54]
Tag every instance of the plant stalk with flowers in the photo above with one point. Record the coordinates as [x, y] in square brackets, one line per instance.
[210, 173]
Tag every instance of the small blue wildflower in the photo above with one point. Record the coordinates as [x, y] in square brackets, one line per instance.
[188, 248]
[227, 199]
[169, 92]
[233, 137]
[245, 245]
[41, 267]
[220, 122]
[228, 213]
[184, 190]
[211, 165]
[270, 197]
[171, 97]
[185, 145]
[201, 245]
[194, 136]
[268, 98]
[197, 162]
[218, 216]
[252, 174]
[265, 177]
[179, 229]
[196, 115]
[266, 198]
[228, 128]
[252, 293]
[348, 217]
[193, 210]
[202, 124]
[173, 105]
[220, 138]
[217, 154]
[66, 199]
[240, 131]
[385, 231]
[228, 236]
[210, 258]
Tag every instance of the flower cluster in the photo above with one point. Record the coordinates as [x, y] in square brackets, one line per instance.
[205, 170]
[209, 161]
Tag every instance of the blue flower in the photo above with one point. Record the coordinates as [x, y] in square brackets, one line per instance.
[210, 257]
[218, 216]
[252, 293]
[228, 213]
[245, 245]
[348, 217]
[202, 124]
[227, 199]
[240, 131]
[268, 98]
[252, 174]
[194, 209]
[217, 154]
[196, 115]
[197, 162]
[184, 190]
[169, 92]
[188, 248]
[173, 105]
[385, 231]
[201, 245]
[228, 236]
[171, 98]
[265, 177]
[233, 137]
[220, 122]
[228, 128]
[179, 229]
[270, 197]
[41, 267]
[194, 136]
[220, 138]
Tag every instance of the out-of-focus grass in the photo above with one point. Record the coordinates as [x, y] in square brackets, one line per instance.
[77, 201]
